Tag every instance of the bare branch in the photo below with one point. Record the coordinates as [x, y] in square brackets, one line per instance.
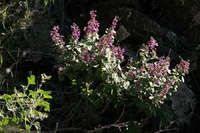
[166, 130]
[119, 126]
[121, 114]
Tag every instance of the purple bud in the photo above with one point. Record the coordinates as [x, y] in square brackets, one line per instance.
[56, 37]
[75, 32]
[123, 51]
[183, 66]
[110, 44]
[122, 57]
[167, 86]
[114, 23]
[134, 73]
[88, 57]
[93, 25]
[152, 43]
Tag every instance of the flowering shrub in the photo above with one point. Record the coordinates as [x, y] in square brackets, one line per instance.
[93, 63]
[151, 78]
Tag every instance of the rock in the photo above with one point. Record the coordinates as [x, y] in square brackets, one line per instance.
[139, 23]
[122, 33]
[183, 105]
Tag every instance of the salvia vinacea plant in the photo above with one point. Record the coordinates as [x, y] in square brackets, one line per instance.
[94, 64]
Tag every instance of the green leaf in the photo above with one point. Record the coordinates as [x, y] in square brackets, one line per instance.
[74, 82]
[4, 14]
[6, 97]
[84, 89]
[14, 119]
[35, 112]
[33, 94]
[1, 59]
[141, 54]
[45, 104]
[5, 121]
[28, 128]
[37, 125]
[48, 97]
[31, 80]
[46, 94]
[41, 91]
[47, 77]
[45, 2]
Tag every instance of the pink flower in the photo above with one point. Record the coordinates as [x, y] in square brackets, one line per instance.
[161, 60]
[86, 56]
[142, 69]
[114, 23]
[152, 43]
[108, 38]
[183, 66]
[168, 61]
[118, 52]
[75, 32]
[157, 81]
[56, 37]
[167, 87]
[93, 25]
[134, 73]
[164, 92]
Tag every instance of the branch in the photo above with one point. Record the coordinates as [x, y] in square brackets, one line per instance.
[72, 129]
[166, 130]
[119, 126]
[121, 114]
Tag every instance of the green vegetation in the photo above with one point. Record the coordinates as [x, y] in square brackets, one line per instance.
[23, 109]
